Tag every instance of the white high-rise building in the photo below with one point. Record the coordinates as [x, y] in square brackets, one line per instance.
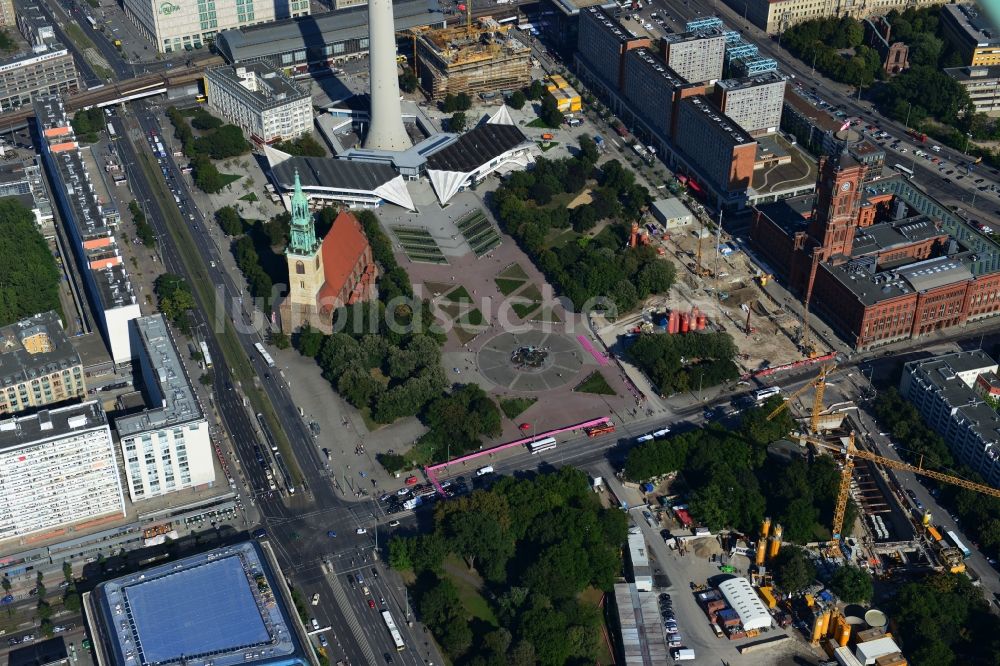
[167, 446]
[173, 27]
[57, 468]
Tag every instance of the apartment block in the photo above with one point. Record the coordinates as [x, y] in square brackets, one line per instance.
[972, 34]
[603, 43]
[57, 469]
[755, 104]
[166, 446]
[696, 57]
[267, 105]
[944, 391]
[90, 226]
[38, 365]
[724, 151]
[651, 87]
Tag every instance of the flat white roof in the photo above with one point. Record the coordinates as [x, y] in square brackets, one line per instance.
[744, 600]
[868, 652]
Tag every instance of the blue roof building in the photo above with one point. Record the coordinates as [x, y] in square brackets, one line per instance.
[220, 608]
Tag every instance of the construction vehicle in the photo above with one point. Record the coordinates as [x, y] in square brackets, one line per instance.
[849, 453]
[819, 383]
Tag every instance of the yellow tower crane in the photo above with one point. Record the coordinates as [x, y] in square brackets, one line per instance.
[819, 383]
[850, 452]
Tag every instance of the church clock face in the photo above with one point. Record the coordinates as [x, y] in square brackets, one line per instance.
[845, 187]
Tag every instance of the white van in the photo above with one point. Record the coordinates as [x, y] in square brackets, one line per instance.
[682, 654]
[483, 471]
[936, 149]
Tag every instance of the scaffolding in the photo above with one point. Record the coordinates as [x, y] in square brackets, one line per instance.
[702, 24]
[471, 59]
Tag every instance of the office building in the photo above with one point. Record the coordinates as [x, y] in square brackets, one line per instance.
[171, 27]
[972, 34]
[776, 16]
[263, 102]
[229, 606]
[57, 469]
[696, 56]
[982, 84]
[46, 68]
[944, 390]
[883, 262]
[322, 40]
[166, 446]
[38, 365]
[603, 43]
[724, 152]
[90, 228]
[755, 104]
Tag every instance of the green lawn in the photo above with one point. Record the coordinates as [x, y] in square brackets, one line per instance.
[522, 310]
[532, 292]
[592, 597]
[508, 286]
[514, 407]
[459, 295]
[540, 124]
[78, 36]
[595, 383]
[474, 603]
[513, 272]
[548, 146]
[450, 309]
[472, 318]
[549, 316]
[464, 335]
[229, 178]
[251, 197]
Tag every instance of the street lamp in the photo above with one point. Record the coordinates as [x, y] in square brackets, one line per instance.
[968, 137]
[909, 107]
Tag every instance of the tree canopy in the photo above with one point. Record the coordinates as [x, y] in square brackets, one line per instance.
[304, 146]
[852, 584]
[537, 543]
[594, 273]
[175, 299]
[678, 363]
[943, 620]
[29, 278]
[793, 570]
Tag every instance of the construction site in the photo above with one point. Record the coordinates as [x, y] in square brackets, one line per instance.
[719, 281]
[478, 57]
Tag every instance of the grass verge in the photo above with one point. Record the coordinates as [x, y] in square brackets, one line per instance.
[595, 383]
[523, 310]
[459, 295]
[78, 36]
[514, 407]
[508, 286]
[513, 272]
[199, 279]
[473, 602]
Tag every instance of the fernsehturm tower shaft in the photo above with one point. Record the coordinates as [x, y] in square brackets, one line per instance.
[386, 131]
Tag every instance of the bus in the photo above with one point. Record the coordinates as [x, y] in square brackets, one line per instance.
[264, 355]
[597, 431]
[903, 170]
[397, 638]
[111, 130]
[966, 553]
[206, 357]
[541, 445]
[92, 22]
[763, 394]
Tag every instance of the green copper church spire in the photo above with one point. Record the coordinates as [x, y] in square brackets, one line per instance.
[303, 232]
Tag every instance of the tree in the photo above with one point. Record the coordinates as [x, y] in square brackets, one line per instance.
[463, 102]
[44, 610]
[304, 146]
[457, 122]
[535, 90]
[225, 142]
[517, 100]
[449, 104]
[67, 570]
[793, 570]
[72, 602]
[203, 120]
[408, 81]
[175, 298]
[29, 279]
[206, 177]
[852, 584]
[5, 582]
[229, 220]
[550, 113]
[280, 340]
[309, 341]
